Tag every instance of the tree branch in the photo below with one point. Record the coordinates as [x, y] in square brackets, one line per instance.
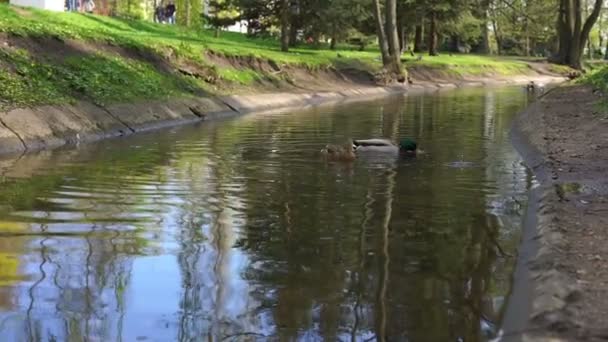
[591, 20]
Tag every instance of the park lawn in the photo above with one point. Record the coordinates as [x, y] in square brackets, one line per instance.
[143, 34]
[471, 65]
[102, 77]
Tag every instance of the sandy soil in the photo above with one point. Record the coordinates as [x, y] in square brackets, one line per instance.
[569, 129]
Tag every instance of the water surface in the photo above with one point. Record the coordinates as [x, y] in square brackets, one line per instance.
[238, 230]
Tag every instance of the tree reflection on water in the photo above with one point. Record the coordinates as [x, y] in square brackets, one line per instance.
[238, 231]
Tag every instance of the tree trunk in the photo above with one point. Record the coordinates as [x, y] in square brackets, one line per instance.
[564, 29]
[573, 34]
[496, 30]
[575, 44]
[249, 27]
[402, 35]
[600, 37]
[526, 31]
[484, 46]
[381, 33]
[591, 20]
[418, 37]
[295, 21]
[293, 32]
[527, 39]
[433, 36]
[455, 44]
[285, 26]
[393, 36]
[188, 16]
[334, 40]
[403, 39]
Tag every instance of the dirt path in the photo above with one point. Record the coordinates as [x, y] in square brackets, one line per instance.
[566, 143]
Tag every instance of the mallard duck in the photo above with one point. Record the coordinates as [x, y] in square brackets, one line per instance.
[385, 146]
[339, 153]
[533, 87]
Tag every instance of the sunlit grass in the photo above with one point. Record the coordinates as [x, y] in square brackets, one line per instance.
[32, 22]
[475, 65]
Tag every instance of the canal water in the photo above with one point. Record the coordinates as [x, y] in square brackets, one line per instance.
[239, 231]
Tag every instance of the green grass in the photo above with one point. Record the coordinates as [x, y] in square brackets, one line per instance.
[598, 78]
[472, 65]
[101, 77]
[594, 65]
[144, 34]
[242, 77]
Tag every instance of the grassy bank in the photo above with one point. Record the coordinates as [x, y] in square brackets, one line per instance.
[471, 65]
[48, 58]
[597, 76]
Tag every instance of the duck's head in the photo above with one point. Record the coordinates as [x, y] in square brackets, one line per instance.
[408, 146]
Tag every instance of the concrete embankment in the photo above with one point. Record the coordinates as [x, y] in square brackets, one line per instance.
[31, 129]
[562, 272]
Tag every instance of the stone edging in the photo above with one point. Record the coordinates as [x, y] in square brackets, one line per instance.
[551, 289]
[31, 129]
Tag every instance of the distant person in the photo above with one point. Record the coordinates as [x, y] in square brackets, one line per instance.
[72, 5]
[170, 13]
[89, 6]
[159, 14]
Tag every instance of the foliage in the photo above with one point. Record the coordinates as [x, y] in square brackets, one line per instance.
[222, 13]
[466, 27]
[526, 27]
[131, 9]
[341, 18]
[188, 13]
[258, 14]
[598, 78]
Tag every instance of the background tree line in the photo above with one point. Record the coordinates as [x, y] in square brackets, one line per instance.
[559, 29]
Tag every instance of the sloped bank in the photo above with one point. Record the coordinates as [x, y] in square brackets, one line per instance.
[560, 282]
[43, 127]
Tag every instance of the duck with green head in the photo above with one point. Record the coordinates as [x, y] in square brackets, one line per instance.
[406, 146]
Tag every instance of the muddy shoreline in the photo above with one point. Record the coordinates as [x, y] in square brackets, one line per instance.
[32, 129]
[561, 269]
